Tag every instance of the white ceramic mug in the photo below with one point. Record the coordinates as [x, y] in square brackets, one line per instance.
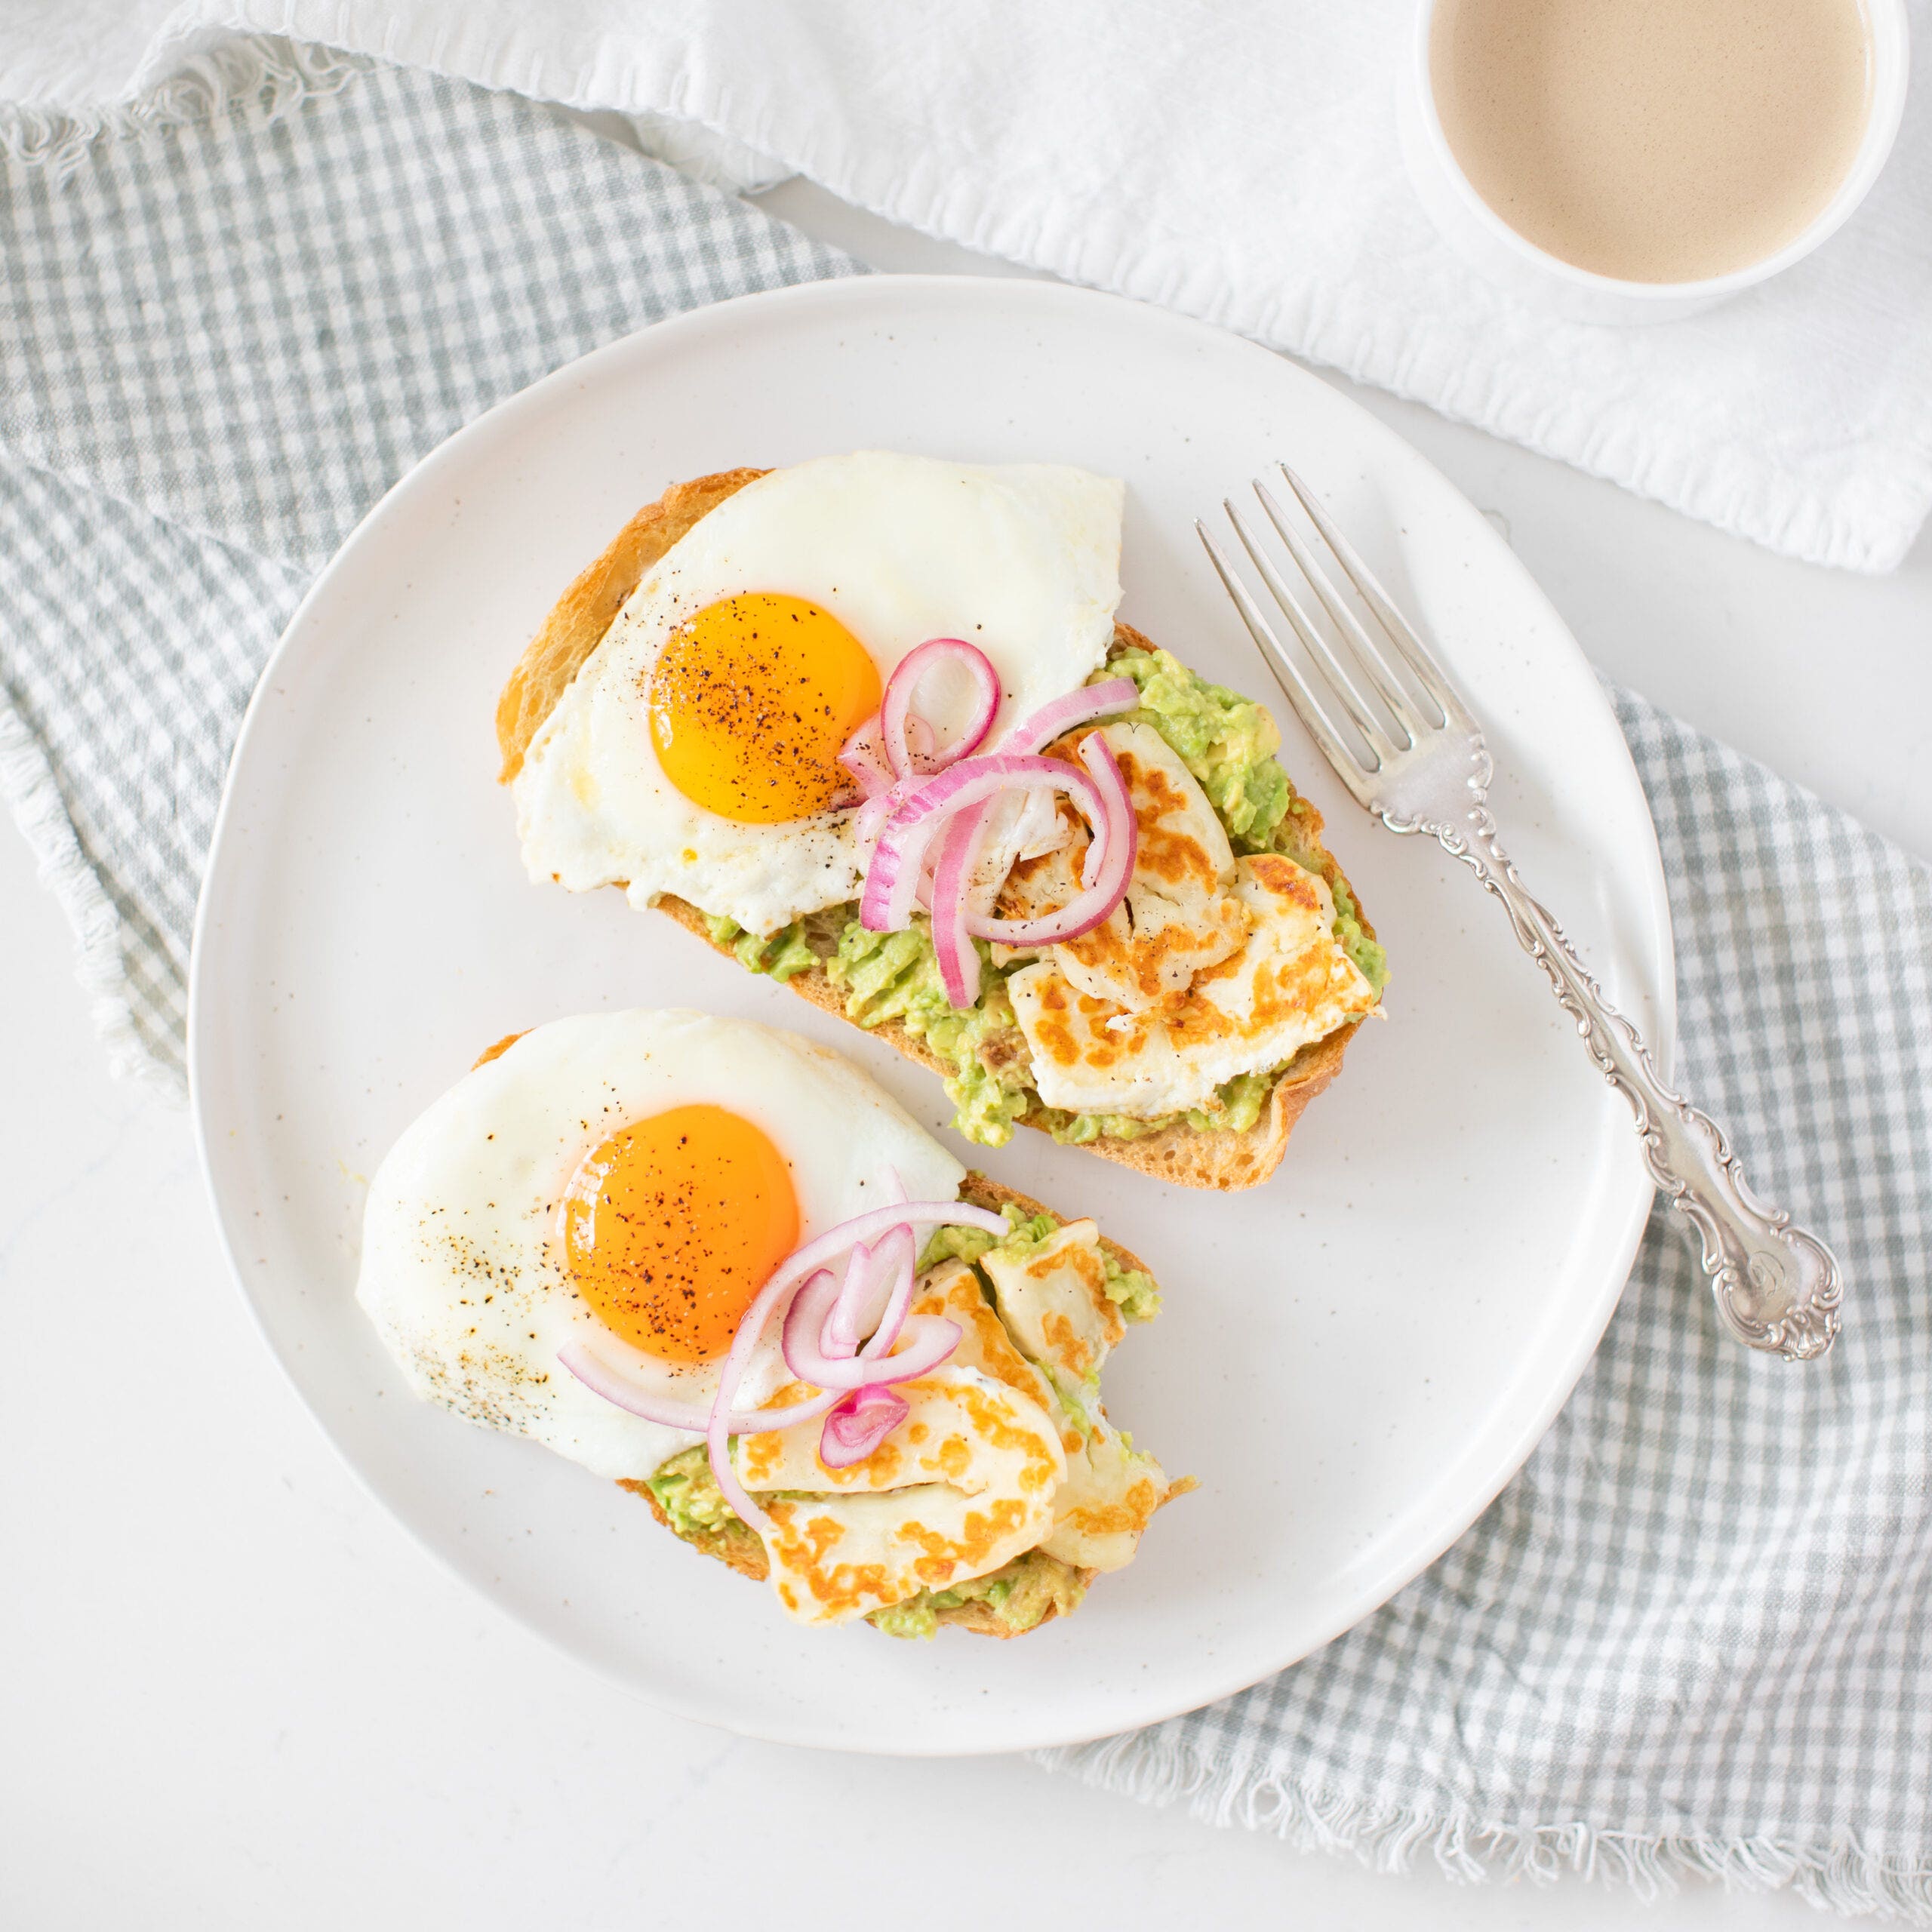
[1532, 275]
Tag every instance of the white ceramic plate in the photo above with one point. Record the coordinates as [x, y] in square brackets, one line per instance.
[1354, 1358]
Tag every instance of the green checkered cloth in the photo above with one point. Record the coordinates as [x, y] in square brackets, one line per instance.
[1692, 1635]
[220, 341]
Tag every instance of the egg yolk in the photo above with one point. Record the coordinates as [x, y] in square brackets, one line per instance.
[672, 1225]
[750, 702]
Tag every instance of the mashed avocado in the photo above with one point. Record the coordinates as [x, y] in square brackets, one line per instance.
[895, 975]
[1138, 1299]
[1024, 1592]
[786, 952]
[1240, 1103]
[688, 1494]
[1228, 742]
[694, 1506]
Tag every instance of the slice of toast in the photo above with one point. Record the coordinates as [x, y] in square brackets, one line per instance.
[1217, 1159]
[738, 1546]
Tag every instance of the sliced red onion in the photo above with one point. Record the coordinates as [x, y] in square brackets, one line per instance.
[927, 1341]
[924, 1343]
[892, 1317]
[813, 1349]
[805, 1320]
[864, 757]
[604, 1378]
[1104, 879]
[952, 876]
[838, 1331]
[829, 1246]
[892, 883]
[717, 1430]
[895, 707]
[906, 851]
[800, 1266]
[863, 1308]
[1059, 715]
[859, 1424]
[880, 806]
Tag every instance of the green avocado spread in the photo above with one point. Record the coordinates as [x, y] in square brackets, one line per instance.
[1133, 1292]
[1228, 742]
[1020, 1595]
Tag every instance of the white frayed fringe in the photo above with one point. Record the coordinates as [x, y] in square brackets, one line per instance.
[1842, 1877]
[259, 78]
[26, 782]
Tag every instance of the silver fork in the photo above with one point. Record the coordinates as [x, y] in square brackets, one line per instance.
[1777, 1287]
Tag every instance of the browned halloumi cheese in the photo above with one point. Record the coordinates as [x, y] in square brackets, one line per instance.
[1059, 1308]
[951, 1290]
[1211, 966]
[1111, 1493]
[1179, 915]
[1290, 983]
[964, 1484]
[1056, 1302]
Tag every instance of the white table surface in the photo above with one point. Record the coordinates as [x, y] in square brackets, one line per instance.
[233, 1694]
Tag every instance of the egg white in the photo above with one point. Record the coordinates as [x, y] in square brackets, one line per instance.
[461, 1271]
[1022, 560]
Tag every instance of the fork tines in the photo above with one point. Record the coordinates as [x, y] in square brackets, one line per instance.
[1402, 720]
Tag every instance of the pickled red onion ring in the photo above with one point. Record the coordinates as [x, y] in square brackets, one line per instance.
[896, 704]
[1059, 715]
[952, 877]
[891, 883]
[922, 1343]
[865, 1306]
[864, 756]
[859, 1424]
[925, 840]
[1105, 878]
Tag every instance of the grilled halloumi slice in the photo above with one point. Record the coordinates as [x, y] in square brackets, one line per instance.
[1056, 1302]
[953, 1291]
[1179, 915]
[1291, 983]
[1111, 1490]
[964, 1484]
[1111, 1493]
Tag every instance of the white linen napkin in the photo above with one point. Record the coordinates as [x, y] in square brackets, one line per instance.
[1233, 158]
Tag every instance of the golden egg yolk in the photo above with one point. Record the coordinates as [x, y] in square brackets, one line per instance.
[672, 1225]
[750, 702]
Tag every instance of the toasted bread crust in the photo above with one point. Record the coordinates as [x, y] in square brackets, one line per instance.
[1217, 1160]
[576, 625]
[745, 1553]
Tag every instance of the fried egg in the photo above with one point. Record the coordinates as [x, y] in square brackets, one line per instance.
[631, 1179]
[696, 751]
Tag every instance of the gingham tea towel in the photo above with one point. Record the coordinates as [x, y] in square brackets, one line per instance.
[219, 343]
[1693, 1635]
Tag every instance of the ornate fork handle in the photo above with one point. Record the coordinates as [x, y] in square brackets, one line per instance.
[1777, 1287]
